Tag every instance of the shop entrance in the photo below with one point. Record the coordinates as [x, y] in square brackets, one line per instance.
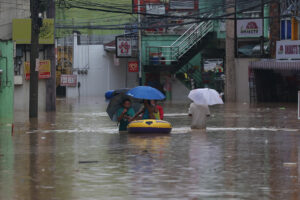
[269, 85]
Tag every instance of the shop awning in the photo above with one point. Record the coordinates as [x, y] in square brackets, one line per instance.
[276, 64]
[110, 47]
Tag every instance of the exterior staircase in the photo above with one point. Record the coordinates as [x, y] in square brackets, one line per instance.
[189, 76]
[172, 58]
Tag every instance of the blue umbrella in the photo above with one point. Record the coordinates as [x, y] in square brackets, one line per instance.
[146, 92]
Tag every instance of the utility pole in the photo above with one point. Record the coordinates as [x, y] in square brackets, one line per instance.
[51, 82]
[230, 81]
[262, 41]
[140, 44]
[34, 53]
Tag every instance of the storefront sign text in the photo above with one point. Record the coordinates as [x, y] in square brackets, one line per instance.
[287, 49]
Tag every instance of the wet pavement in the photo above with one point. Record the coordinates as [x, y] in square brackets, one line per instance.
[247, 152]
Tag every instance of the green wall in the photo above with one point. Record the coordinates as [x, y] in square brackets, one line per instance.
[155, 40]
[6, 163]
[7, 86]
[85, 17]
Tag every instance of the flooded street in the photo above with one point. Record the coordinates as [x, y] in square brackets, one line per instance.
[248, 152]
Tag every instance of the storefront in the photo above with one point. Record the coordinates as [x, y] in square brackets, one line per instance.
[274, 81]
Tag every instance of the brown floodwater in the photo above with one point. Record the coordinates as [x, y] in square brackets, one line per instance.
[247, 152]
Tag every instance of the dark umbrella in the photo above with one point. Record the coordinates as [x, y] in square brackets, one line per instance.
[116, 103]
[120, 91]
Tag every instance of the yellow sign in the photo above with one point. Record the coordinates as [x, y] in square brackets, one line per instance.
[44, 70]
[22, 31]
[294, 29]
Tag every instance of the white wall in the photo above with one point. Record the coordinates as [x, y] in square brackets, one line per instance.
[21, 92]
[242, 79]
[10, 9]
[21, 96]
[102, 75]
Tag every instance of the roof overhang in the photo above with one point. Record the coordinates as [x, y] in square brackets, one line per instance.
[276, 64]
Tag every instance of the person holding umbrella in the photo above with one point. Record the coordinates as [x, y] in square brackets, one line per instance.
[199, 110]
[148, 95]
[125, 115]
[150, 111]
[199, 114]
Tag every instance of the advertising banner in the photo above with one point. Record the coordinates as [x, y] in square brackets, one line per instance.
[44, 69]
[68, 80]
[22, 31]
[288, 49]
[124, 47]
[133, 66]
[249, 28]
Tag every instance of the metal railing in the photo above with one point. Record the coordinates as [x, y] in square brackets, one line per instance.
[165, 55]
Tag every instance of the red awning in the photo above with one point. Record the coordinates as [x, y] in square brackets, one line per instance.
[276, 64]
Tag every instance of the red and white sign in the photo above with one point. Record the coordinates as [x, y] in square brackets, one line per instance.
[68, 80]
[248, 28]
[124, 47]
[133, 66]
[288, 49]
[43, 66]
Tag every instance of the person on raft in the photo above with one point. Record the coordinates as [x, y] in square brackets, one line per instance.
[125, 115]
[150, 111]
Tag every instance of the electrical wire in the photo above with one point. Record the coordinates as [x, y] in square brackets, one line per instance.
[195, 18]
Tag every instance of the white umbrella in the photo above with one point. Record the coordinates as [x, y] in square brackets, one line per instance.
[205, 96]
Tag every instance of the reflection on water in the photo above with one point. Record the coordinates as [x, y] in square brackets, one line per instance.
[248, 152]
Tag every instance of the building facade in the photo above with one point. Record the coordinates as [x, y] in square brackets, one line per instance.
[276, 76]
[178, 51]
[8, 11]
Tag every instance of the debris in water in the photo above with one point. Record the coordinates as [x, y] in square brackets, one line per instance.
[290, 164]
[85, 162]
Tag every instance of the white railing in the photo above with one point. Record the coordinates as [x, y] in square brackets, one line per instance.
[167, 54]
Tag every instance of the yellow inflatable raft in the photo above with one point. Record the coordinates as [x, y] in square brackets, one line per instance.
[149, 126]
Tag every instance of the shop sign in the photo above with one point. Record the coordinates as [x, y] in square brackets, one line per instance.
[124, 47]
[44, 68]
[68, 80]
[133, 66]
[155, 9]
[249, 28]
[22, 31]
[138, 6]
[288, 49]
[215, 65]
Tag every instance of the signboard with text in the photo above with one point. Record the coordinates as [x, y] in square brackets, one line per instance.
[124, 47]
[155, 9]
[249, 28]
[133, 66]
[68, 80]
[44, 69]
[288, 49]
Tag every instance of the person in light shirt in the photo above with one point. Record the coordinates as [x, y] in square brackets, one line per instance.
[199, 114]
